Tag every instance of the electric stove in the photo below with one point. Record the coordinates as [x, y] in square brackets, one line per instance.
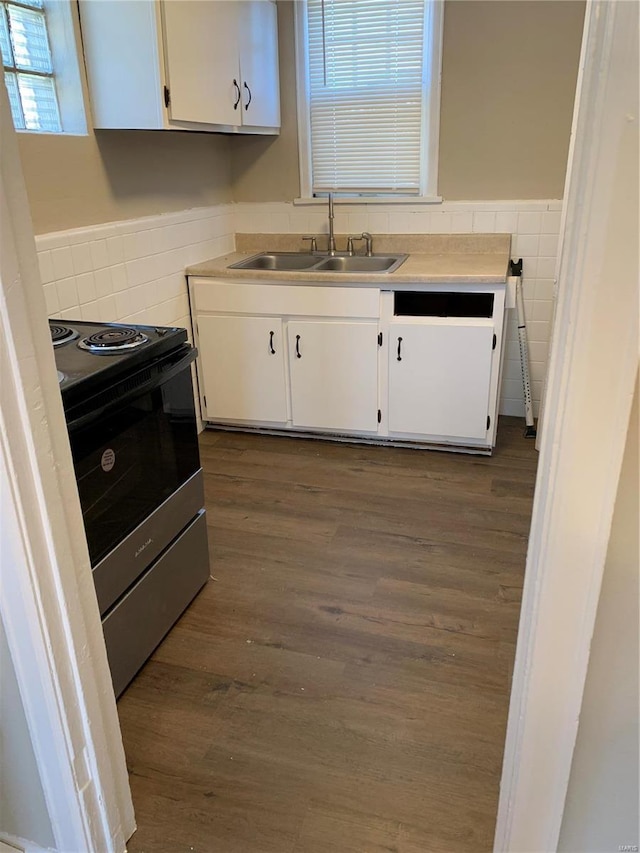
[128, 399]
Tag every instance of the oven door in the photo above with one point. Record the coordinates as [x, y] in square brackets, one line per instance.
[134, 444]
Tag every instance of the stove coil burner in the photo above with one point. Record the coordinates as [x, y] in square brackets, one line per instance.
[113, 340]
[62, 335]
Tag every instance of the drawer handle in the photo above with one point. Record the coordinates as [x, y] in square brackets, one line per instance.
[271, 349]
[298, 353]
[399, 349]
[239, 93]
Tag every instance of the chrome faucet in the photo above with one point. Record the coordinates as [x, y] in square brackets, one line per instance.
[332, 240]
[368, 243]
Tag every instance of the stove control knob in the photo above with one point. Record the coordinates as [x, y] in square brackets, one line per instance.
[161, 332]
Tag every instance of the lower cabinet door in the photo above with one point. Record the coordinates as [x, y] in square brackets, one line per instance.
[242, 368]
[439, 378]
[334, 375]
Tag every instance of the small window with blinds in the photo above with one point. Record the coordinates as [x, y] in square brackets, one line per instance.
[371, 74]
[28, 67]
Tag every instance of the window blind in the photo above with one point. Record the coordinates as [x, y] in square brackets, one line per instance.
[366, 88]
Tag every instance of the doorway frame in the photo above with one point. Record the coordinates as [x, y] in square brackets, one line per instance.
[591, 379]
[47, 599]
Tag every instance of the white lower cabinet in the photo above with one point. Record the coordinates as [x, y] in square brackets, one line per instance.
[440, 378]
[242, 368]
[417, 366]
[333, 368]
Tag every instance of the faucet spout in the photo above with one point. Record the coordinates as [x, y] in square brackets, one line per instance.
[332, 239]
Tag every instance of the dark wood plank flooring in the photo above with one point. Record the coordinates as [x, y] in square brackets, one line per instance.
[342, 684]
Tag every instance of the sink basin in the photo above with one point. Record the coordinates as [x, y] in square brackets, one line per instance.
[277, 261]
[301, 261]
[359, 263]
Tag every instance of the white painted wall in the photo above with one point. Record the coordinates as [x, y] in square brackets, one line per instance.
[23, 810]
[602, 811]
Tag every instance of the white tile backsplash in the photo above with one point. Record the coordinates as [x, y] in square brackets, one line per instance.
[99, 255]
[484, 222]
[133, 271]
[62, 262]
[81, 255]
[103, 282]
[46, 267]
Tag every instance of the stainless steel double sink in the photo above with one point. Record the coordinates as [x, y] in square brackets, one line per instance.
[308, 262]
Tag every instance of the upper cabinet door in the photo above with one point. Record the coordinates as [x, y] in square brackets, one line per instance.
[258, 45]
[201, 57]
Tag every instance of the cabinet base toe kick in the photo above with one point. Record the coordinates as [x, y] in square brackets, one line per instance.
[355, 438]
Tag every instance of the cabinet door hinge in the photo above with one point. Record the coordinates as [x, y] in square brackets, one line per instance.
[495, 341]
[488, 421]
[379, 339]
[167, 96]
[379, 416]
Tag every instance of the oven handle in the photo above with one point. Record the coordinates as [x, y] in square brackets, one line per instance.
[162, 376]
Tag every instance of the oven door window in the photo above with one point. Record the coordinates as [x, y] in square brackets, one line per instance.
[131, 460]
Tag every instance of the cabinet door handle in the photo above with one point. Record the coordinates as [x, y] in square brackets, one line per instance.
[298, 353]
[246, 106]
[239, 93]
[271, 349]
[399, 349]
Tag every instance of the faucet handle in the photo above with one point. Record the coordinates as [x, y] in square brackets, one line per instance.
[314, 242]
[368, 242]
[350, 240]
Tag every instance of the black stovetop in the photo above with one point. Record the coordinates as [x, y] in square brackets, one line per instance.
[93, 370]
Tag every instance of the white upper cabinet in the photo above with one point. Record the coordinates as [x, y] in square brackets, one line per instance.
[201, 59]
[258, 62]
[182, 64]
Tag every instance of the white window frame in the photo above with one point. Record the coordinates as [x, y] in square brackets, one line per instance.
[65, 52]
[65, 57]
[434, 20]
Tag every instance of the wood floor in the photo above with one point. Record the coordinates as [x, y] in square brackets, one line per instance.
[342, 684]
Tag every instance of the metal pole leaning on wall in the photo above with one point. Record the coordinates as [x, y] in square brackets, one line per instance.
[515, 270]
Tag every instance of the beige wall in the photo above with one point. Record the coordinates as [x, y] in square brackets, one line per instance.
[509, 72]
[509, 75]
[73, 181]
[601, 811]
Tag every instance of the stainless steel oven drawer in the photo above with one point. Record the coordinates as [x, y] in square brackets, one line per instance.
[137, 623]
[119, 569]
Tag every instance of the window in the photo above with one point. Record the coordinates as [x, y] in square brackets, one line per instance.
[28, 67]
[38, 43]
[368, 96]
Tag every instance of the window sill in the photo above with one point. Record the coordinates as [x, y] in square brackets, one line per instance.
[413, 200]
[57, 133]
